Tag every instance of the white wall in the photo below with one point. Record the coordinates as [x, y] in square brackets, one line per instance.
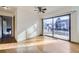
[28, 23]
[74, 20]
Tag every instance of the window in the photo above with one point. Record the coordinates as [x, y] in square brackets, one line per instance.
[57, 27]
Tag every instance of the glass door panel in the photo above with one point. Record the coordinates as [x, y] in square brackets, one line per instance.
[47, 27]
[61, 25]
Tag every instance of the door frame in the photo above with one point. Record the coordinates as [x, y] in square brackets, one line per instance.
[12, 26]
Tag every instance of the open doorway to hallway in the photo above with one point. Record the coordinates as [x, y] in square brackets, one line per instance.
[58, 27]
[6, 29]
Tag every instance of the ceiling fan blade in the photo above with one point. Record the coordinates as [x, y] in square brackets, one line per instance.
[44, 9]
[40, 9]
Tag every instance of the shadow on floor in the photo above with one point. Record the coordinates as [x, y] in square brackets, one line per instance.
[7, 40]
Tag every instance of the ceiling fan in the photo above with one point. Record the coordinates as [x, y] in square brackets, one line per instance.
[41, 9]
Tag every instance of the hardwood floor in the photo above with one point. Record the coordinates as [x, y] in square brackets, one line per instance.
[40, 44]
[7, 40]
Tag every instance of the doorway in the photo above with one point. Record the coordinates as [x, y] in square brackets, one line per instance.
[58, 27]
[6, 29]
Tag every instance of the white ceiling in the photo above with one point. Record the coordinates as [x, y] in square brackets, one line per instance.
[52, 8]
[10, 9]
[13, 8]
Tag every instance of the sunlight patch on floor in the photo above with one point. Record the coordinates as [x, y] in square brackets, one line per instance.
[25, 44]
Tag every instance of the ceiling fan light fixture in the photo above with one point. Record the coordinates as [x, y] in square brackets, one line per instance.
[41, 9]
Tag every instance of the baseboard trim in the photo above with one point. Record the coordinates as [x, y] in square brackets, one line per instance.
[74, 42]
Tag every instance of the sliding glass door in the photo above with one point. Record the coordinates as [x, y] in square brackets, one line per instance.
[47, 27]
[61, 27]
[57, 27]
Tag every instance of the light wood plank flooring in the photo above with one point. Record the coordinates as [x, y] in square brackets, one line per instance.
[41, 44]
